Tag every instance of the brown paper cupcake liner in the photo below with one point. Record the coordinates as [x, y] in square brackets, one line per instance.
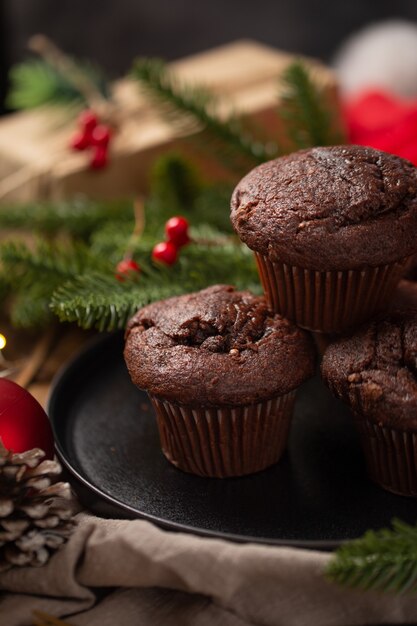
[391, 456]
[224, 441]
[328, 302]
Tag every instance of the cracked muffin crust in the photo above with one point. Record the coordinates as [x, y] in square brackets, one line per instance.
[216, 347]
[334, 208]
[375, 370]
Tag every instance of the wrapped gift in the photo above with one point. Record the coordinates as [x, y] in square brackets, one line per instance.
[36, 162]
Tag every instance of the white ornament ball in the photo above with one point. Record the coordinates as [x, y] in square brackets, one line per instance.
[382, 55]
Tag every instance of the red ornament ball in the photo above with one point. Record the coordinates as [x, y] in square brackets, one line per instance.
[165, 252]
[126, 268]
[23, 422]
[176, 230]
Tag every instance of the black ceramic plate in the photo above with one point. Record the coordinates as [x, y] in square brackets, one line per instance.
[317, 496]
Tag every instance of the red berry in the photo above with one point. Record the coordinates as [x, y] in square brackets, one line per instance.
[23, 422]
[101, 136]
[83, 139]
[165, 252]
[88, 120]
[99, 158]
[176, 230]
[80, 141]
[126, 269]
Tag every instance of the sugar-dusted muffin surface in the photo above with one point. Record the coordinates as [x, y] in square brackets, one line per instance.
[333, 208]
[216, 347]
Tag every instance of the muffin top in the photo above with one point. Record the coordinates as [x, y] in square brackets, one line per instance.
[216, 347]
[375, 370]
[334, 208]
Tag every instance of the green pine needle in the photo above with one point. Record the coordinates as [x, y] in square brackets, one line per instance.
[4, 290]
[45, 261]
[111, 240]
[306, 114]
[31, 307]
[213, 206]
[97, 236]
[383, 560]
[175, 182]
[177, 190]
[32, 275]
[193, 109]
[99, 300]
[36, 82]
[79, 217]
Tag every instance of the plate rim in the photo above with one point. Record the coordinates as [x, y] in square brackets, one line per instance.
[59, 380]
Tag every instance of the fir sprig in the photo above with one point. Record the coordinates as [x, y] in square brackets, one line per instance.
[177, 188]
[37, 82]
[383, 560]
[193, 109]
[4, 290]
[79, 217]
[77, 280]
[51, 259]
[33, 274]
[307, 117]
[98, 300]
[175, 182]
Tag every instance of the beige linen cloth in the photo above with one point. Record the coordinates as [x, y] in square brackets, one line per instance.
[131, 573]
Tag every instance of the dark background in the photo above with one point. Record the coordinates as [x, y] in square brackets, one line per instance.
[113, 32]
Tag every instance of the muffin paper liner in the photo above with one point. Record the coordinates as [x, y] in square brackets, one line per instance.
[328, 302]
[224, 441]
[391, 456]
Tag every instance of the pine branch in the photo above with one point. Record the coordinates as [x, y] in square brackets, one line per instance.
[110, 241]
[193, 109]
[177, 190]
[212, 206]
[33, 275]
[99, 300]
[52, 260]
[4, 290]
[30, 308]
[384, 560]
[175, 183]
[37, 82]
[79, 217]
[305, 111]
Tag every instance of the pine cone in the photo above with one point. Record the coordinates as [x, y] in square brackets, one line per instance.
[36, 515]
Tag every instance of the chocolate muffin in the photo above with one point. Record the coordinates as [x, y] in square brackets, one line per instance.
[332, 229]
[411, 269]
[221, 371]
[405, 295]
[375, 372]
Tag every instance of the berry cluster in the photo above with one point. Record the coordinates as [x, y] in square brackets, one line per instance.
[176, 232]
[92, 135]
